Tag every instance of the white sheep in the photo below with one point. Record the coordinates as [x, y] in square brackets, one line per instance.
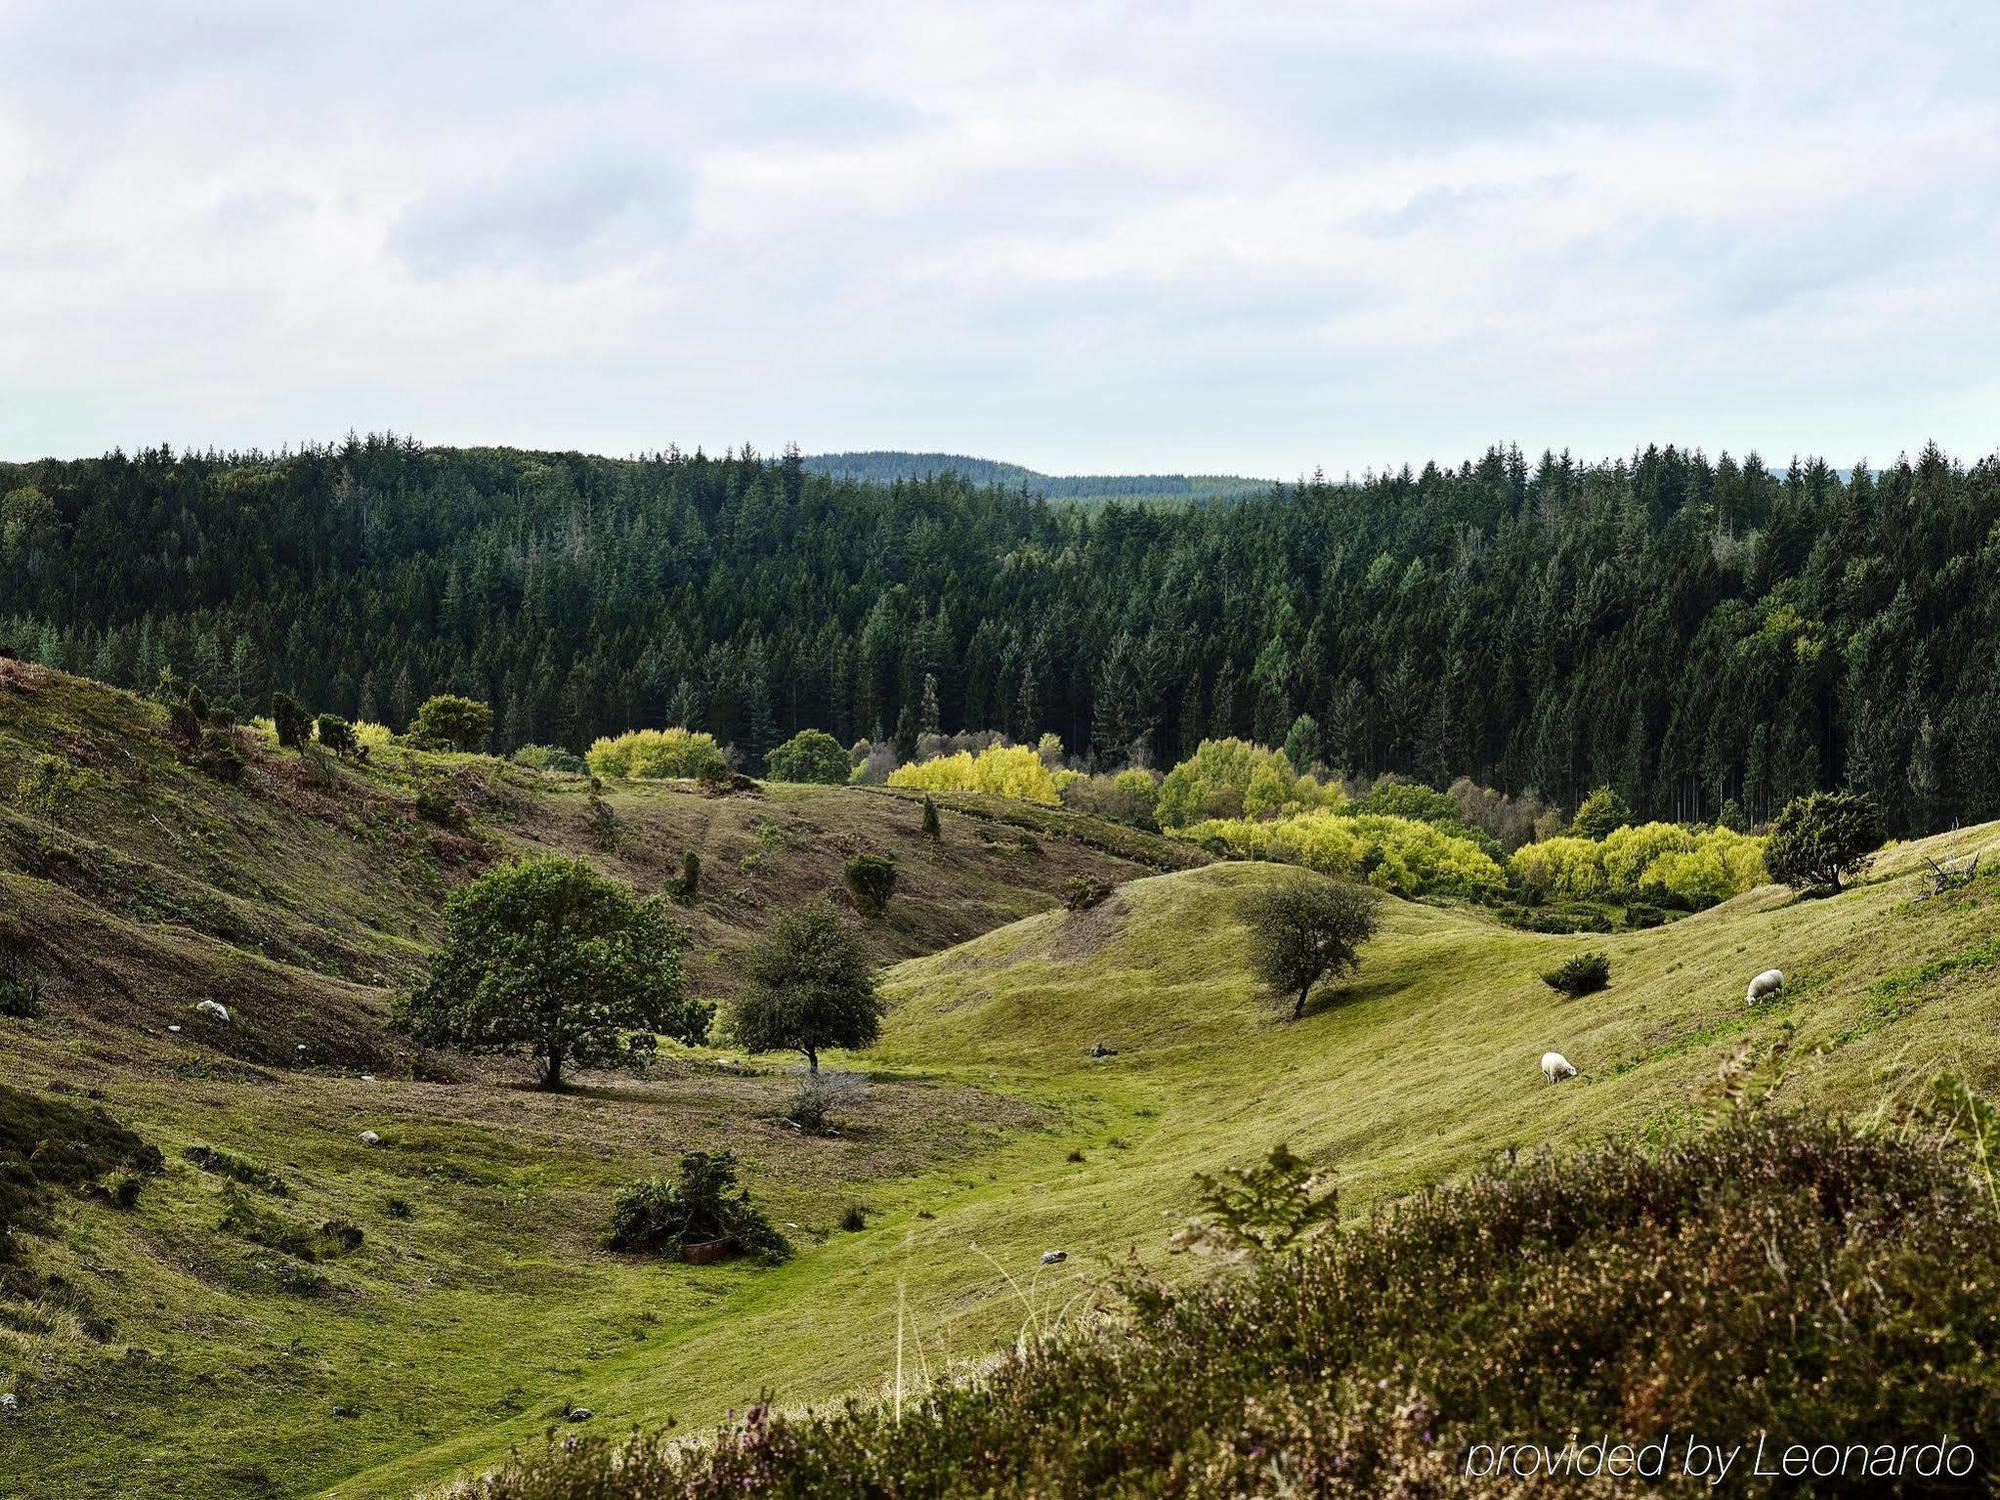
[1556, 1067]
[1767, 983]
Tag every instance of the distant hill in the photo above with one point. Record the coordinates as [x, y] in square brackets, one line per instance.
[887, 467]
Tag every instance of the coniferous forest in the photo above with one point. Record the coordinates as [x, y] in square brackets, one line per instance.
[1688, 630]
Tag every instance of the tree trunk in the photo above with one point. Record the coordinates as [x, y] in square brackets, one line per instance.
[812, 1059]
[552, 1072]
[1299, 1010]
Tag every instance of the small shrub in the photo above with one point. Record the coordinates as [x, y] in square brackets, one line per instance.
[1273, 1206]
[933, 828]
[552, 759]
[436, 805]
[687, 890]
[336, 735]
[854, 1218]
[223, 1164]
[820, 1098]
[20, 996]
[1580, 974]
[661, 1217]
[1081, 892]
[871, 881]
[291, 723]
[399, 1208]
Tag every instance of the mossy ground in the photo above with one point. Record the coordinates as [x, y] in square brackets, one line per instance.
[469, 1317]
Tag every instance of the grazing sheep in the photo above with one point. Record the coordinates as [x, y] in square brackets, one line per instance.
[1767, 983]
[1556, 1067]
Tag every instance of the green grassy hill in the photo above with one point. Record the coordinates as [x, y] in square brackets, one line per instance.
[167, 1354]
[155, 1352]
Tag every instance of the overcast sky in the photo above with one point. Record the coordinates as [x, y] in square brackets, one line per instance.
[1165, 237]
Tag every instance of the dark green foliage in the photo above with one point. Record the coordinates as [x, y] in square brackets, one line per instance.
[854, 1218]
[1264, 1209]
[224, 1164]
[336, 734]
[1567, 917]
[1081, 892]
[1303, 930]
[703, 1203]
[1579, 974]
[933, 827]
[811, 755]
[1774, 1275]
[871, 881]
[292, 723]
[1303, 746]
[686, 890]
[551, 959]
[1688, 629]
[247, 1219]
[48, 1145]
[1822, 837]
[450, 722]
[20, 995]
[1409, 799]
[50, 787]
[435, 804]
[811, 987]
[550, 758]
[1602, 812]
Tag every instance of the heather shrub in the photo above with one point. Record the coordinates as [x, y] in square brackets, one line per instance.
[1775, 1274]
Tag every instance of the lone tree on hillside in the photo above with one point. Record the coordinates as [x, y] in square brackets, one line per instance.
[1821, 837]
[811, 755]
[811, 987]
[1304, 930]
[552, 959]
[451, 720]
[933, 827]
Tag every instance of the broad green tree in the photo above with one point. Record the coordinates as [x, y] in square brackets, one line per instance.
[811, 987]
[1821, 838]
[550, 959]
[1306, 929]
[449, 720]
[811, 755]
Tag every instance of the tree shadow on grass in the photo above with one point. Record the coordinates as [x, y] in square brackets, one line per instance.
[1340, 996]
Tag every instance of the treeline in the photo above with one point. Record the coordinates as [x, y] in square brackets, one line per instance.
[1688, 631]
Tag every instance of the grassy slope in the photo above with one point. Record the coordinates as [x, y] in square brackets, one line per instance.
[1420, 1066]
[1423, 1065]
[296, 903]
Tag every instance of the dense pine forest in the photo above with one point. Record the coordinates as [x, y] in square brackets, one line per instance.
[1688, 630]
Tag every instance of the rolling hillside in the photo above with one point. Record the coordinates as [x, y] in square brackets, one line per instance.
[176, 1346]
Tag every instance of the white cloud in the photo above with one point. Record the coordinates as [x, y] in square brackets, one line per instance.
[1186, 236]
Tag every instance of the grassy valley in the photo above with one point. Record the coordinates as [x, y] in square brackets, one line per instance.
[1047, 1079]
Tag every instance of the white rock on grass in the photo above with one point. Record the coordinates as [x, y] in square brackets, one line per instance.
[370, 1138]
[212, 1008]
